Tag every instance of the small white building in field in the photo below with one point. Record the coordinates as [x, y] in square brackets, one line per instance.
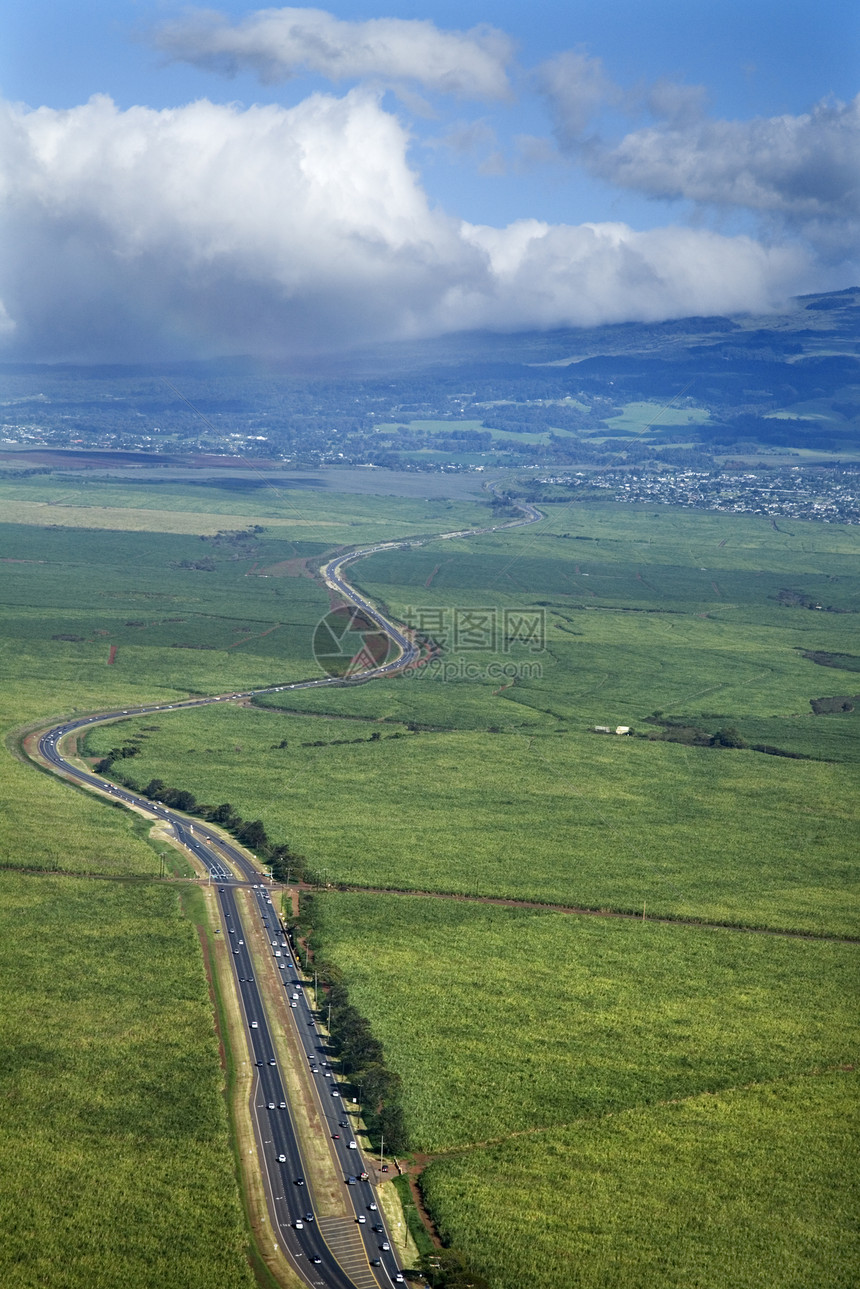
[622, 729]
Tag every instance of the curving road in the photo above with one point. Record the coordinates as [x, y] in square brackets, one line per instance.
[335, 1253]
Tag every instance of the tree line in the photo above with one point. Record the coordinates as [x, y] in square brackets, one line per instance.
[283, 862]
[360, 1051]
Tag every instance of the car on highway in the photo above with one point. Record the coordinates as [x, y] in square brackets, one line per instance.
[254, 1025]
[270, 1106]
[272, 1061]
[376, 1262]
[299, 1224]
[398, 1279]
[372, 1206]
[335, 1092]
[361, 1218]
[282, 1105]
[353, 1146]
[282, 1159]
[379, 1228]
[300, 1181]
[352, 1181]
[309, 1217]
[385, 1246]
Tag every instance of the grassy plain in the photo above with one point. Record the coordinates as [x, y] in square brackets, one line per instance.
[532, 1019]
[115, 1164]
[612, 1103]
[307, 513]
[640, 417]
[571, 818]
[507, 1022]
[750, 1189]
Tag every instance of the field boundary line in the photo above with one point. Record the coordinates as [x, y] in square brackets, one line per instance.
[417, 1168]
[575, 910]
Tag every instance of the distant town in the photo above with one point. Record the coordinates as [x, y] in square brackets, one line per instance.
[830, 494]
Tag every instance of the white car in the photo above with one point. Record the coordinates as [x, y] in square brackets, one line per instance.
[361, 1218]
[353, 1146]
[299, 1224]
[254, 1025]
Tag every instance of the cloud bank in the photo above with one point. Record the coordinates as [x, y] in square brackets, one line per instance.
[213, 229]
[276, 44]
[799, 174]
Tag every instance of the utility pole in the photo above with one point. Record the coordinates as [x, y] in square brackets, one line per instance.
[381, 1145]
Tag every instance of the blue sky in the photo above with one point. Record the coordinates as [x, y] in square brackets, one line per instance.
[472, 148]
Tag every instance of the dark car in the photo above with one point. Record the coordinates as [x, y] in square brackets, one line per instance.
[300, 1181]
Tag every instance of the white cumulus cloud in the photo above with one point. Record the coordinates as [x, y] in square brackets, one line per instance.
[213, 229]
[276, 44]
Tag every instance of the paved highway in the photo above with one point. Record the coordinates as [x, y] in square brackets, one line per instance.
[336, 1253]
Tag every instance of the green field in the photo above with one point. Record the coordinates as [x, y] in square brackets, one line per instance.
[627, 1102]
[750, 1189]
[533, 1019]
[534, 1046]
[115, 1163]
[572, 818]
[307, 513]
[500, 788]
